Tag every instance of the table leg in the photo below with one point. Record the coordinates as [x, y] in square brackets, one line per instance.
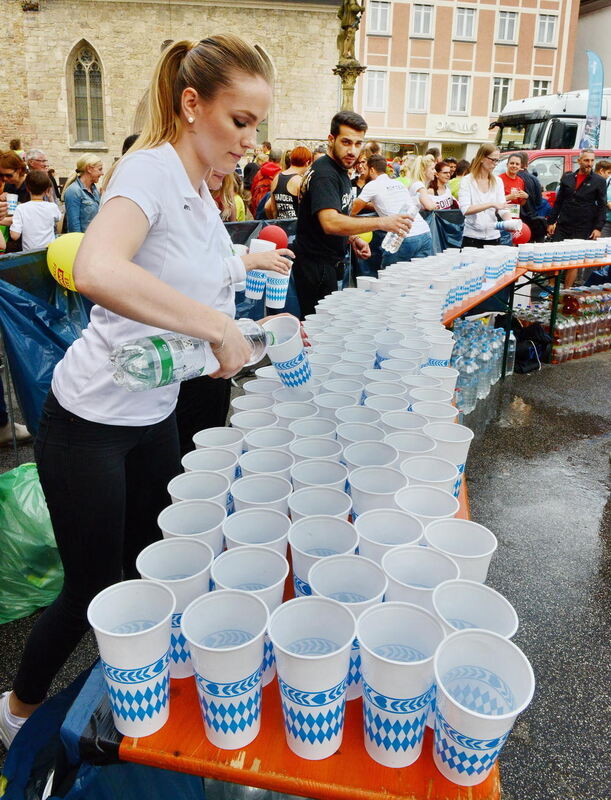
[554, 309]
[508, 322]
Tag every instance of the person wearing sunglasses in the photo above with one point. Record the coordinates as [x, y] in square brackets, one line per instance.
[12, 172]
[481, 197]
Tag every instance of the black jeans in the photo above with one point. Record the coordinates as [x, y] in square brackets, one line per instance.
[104, 486]
[202, 403]
[315, 281]
[469, 241]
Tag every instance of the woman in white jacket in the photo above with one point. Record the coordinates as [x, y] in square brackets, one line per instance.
[481, 197]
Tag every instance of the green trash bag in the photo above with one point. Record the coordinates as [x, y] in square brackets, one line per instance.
[31, 573]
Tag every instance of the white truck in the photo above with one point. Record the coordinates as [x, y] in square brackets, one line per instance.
[550, 122]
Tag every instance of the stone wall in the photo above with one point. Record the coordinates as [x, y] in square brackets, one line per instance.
[127, 36]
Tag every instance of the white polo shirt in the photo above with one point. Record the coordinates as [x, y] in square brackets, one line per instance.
[188, 248]
[388, 197]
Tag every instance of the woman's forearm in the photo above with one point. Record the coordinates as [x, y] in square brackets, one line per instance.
[475, 209]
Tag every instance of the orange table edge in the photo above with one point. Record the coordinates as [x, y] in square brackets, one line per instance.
[350, 774]
[484, 294]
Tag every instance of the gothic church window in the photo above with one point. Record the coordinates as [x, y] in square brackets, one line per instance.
[88, 96]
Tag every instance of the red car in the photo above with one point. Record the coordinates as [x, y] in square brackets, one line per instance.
[549, 166]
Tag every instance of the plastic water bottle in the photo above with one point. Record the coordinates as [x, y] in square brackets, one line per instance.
[511, 355]
[392, 241]
[497, 351]
[154, 361]
[483, 382]
[468, 389]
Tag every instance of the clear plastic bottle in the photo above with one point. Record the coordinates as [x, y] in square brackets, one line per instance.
[484, 375]
[511, 354]
[468, 391]
[154, 361]
[392, 241]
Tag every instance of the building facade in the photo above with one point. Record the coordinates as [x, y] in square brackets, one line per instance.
[592, 34]
[439, 71]
[76, 72]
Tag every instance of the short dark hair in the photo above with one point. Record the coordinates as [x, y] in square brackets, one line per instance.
[523, 156]
[378, 163]
[462, 167]
[451, 160]
[433, 151]
[350, 119]
[603, 165]
[37, 181]
[268, 145]
[128, 142]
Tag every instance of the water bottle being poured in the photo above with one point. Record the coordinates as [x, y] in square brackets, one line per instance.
[154, 361]
[392, 241]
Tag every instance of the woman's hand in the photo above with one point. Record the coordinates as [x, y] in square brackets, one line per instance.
[232, 352]
[499, 206]
[274, 260]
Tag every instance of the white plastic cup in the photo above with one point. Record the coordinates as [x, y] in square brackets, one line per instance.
[453, 442]
[132, 621]
[269, 439]
[223, 438]
[369, 416]
[378, 375]
[447, 376]
[402, 366]
[396, 421]
[12, 200]
[346, 369]
[386, 389]
[316, 537]
[289, 412]
[251, 402]
[430, 471]
[263, 527]
[427, 395]
[225, 631]
[261, 491]
[183, 566]
[328, 402]
[211, 459]
[261, 246]
[462, 604]
[197, 519]
[316, 501]
[384, 404]
[471, 545]
[411, 443]
[245, 421]
[267, 462]
[369, 454]
[263, 386]
[413, 572]
[312, 637]
[483, 683]
[269, 373]
[317, 447]
[384, 528]
[319, 472]
[440, 352]
[318, 427]
[349, 386]
[288, 355]
[276, 287]
[200, 485]
[435, 412]
[255, 283]
[424, 381]
[398, 642]
[259, 571]
[357, 583]
[374, 487]
[350, 432]
[427, 503]
[286, 394]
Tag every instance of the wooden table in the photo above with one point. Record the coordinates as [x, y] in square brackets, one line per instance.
[350, 774]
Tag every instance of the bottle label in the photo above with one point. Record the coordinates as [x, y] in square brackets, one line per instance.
[166, 362]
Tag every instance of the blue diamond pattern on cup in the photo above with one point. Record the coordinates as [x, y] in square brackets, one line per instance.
[354, 671]
[438, 362]
[464, 753]
[390, 732]
[230, 717]
[302, 588]
[179, 649]
[479, 689]
[458, 482]
[314, 726]
[140, 703]
[269, 658]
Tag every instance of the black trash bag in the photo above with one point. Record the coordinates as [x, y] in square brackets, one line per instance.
[533, 344]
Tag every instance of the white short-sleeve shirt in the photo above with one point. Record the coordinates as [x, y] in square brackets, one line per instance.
[482, 224]
[35, 221]
[186, 247]
[388, 196]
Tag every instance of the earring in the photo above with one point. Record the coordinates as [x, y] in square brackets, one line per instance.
[190, 120]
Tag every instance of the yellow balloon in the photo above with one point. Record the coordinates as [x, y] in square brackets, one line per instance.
[366, 237]
[60, 258]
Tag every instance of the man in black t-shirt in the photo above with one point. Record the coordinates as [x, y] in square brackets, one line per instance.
[324, 224]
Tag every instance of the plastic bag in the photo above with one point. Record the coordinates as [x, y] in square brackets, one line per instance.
[31, 573]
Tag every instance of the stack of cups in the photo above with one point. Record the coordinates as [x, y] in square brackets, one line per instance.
[256, 278]
[288, 354]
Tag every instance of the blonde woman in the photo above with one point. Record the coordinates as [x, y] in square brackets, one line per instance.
[423, 172]
[156, 258]
[480, 197]
[81, 195]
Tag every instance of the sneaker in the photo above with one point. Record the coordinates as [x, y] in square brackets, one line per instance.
[10, 725]
[22, 434]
